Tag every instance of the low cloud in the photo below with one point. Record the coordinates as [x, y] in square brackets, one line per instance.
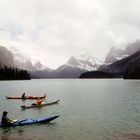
[52, 30]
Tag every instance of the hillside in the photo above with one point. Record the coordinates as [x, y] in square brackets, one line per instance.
[8, 71]
[129, 68]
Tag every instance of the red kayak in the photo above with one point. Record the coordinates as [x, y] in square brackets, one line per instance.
[27, 97]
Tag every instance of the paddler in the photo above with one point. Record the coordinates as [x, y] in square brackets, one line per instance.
[23, 96]
[5, 120]
[40, 101]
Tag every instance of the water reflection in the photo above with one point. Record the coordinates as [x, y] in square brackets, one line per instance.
[26, 132]
[129, 136]
[12, 134]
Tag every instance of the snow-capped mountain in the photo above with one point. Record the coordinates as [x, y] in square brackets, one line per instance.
[122, 65]
[73, 68]
[83, 62]
[23, 62]
[116, 54]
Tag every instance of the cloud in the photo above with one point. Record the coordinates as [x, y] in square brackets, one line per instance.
[54, 30]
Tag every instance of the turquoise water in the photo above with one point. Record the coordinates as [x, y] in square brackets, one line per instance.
[99, 109]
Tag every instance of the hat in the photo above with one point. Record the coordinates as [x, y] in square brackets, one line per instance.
[5, 112]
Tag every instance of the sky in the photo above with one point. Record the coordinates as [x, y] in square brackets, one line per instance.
[54, 30]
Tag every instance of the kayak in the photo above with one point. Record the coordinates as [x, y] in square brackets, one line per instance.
[32, 121]
[27, 97]
[38, 106]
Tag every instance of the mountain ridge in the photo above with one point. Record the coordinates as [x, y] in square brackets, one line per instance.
[73, 68]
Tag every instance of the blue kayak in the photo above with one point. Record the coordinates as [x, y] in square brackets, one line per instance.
[32, 121]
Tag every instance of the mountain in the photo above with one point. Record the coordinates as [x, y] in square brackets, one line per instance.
[6, 57]
[46, 73]
[83, 62]
[116, 54]
[122, 65]
[128, 67]
[28, 65]
[38, 66]
[73, 68]
[77, 65]
[23, 62]
[8, 71]
[132, 47]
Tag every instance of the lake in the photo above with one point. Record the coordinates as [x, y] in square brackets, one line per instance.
[96, 109]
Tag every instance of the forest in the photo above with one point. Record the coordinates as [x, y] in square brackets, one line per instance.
[10, 73]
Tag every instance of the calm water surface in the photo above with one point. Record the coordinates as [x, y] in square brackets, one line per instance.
[101, 109]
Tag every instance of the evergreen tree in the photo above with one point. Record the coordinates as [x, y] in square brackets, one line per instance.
[9, 73]
[133, 72]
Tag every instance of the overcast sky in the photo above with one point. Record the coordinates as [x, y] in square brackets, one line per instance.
[54, 30]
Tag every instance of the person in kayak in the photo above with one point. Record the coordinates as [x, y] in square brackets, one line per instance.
[40, 101]
[5, 120]
[23, 96]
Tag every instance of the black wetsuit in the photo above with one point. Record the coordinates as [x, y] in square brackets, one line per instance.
[6, 121]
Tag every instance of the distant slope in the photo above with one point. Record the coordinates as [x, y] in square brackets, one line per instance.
[116, 54]
[129, 68]
[122, 65]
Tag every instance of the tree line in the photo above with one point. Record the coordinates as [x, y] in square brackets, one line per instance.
[133, 72]
[10, 73]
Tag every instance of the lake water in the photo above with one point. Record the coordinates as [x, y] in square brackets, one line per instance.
[97, 109]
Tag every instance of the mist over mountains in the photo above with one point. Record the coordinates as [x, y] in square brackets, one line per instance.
[127, 68]
[6, 57]
[71, 69]
[117, 61]
[8, 70]
[121, 63]
[116, 54]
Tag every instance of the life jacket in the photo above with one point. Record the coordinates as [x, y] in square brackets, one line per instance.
[39, 101]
